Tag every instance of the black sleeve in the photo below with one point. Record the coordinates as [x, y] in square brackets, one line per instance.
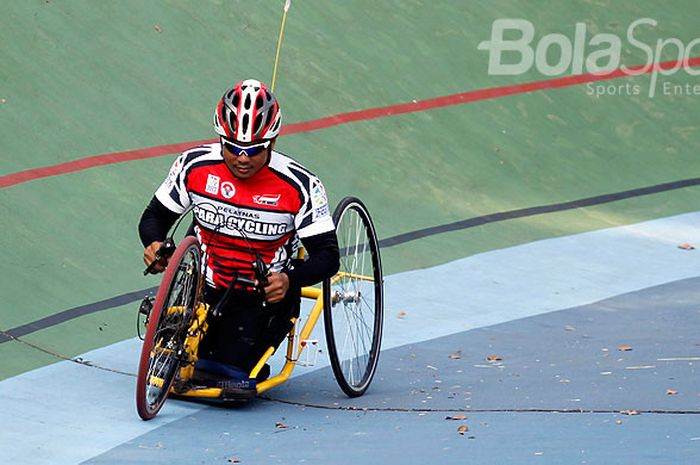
[155, 222]
[323, 260]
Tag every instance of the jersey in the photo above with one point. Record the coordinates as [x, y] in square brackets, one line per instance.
[237, 218]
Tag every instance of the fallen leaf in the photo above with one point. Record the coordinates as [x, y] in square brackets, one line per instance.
[456, 356]
[686, 246]
[569, 328]
[401, 314]
[234, 460]
[624, 348]
[281, 425]
[630, 412]
[462, 429]
[618, 422]
[157, 28]
[494, 358]
[455, 417]
[671, 392]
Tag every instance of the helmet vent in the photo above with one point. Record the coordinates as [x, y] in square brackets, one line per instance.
[236, 99]
[232, 121]
[256, 126]
[259, 102]
[247, 102]
[245, 122]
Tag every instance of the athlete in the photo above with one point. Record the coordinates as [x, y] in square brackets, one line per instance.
[248, 202]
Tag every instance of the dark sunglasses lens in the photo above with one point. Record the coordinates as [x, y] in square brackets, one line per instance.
[250, 151]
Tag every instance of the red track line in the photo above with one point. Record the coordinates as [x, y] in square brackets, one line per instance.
[476, 95]
[342, 118]
[91, 162]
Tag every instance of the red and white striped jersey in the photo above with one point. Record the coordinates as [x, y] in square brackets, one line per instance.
[235, 218]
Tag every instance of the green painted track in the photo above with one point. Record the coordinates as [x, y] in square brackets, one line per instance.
[81, 78]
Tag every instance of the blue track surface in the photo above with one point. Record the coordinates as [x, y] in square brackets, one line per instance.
[555, 312]
[566, 361]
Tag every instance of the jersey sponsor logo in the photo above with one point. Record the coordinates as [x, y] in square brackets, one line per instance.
[170, 180]
[267, 199]
[256, 227]
[213, 184]
[236, 222]
[320, 212]
[227, 189]
[318, 195]
[175, 169]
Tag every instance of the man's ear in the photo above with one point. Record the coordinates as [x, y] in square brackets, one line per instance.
[272, 143]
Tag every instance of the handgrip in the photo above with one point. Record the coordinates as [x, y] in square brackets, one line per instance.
[167, 248]
[260, 269]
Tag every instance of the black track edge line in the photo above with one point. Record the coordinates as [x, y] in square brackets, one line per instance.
[130, 297]
[532, 211]
[72, 313]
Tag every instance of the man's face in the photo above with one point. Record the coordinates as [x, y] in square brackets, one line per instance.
[245, 160]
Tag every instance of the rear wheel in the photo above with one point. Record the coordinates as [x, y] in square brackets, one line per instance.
[353, 300]
[163, 346]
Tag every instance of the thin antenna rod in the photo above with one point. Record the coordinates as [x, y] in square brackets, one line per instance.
[287, 4]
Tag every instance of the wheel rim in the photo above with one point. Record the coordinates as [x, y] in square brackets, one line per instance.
[171, 330]
[354, 300]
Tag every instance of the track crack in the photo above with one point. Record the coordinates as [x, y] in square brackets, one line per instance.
[352, 408]
[78, 360]
[476, 410]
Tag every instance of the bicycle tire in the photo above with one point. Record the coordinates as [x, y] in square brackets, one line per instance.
[168, 321]
[353, 300]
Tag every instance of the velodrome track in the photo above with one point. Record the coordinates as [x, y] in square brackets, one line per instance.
[521, 217]
[556, 396]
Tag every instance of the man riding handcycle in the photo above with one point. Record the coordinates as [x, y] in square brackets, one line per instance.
[231, 290]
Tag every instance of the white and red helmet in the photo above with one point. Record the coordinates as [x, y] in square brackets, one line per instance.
[248, 113]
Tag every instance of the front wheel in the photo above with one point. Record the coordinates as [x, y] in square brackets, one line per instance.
[164, 344]
[353, 306]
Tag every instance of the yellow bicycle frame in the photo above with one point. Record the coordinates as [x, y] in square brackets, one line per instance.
[199, 326]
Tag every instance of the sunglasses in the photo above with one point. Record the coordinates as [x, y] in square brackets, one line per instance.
[248, 150]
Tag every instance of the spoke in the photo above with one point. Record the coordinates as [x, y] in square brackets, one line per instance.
[357, 339]
[369, 307]
[358, 358]
[359, 228]
[360, 345]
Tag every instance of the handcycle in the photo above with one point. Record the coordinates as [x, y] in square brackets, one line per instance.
[351, 303]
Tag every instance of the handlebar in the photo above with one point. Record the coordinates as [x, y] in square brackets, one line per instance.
[260, 269]
[260, 280]
[167, 248]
